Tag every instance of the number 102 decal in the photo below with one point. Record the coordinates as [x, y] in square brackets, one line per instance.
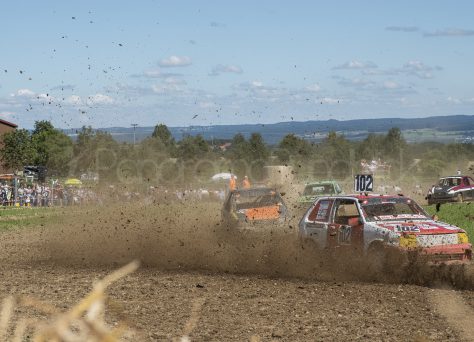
[364, 183]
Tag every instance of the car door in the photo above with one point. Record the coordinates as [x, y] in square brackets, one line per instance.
[316, 222]
[345, 228]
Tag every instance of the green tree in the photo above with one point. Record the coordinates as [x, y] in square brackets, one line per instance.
[257, 148]
[95, 151]
[162, 132]
[239, 148]
[17, 150]
[192, 148]
[295, 147]
[394, 143]
[335, 153]
[371, 147]
[53, 148]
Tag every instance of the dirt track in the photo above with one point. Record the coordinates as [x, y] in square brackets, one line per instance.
[256, 284]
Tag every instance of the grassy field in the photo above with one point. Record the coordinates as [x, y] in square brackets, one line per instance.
[16, 218]
[461, 215]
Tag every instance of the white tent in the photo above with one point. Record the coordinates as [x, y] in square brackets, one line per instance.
[222, 176]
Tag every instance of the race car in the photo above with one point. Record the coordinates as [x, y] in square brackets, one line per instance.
[373, 225]
[314, 190]
[253, 206]
[451, 189]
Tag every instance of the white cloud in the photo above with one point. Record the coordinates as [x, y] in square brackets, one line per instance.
[219, 69]
[356, 65]
[155, 73]
[6, 114]
[175, 61]
[459, 101]
[450, 32]
[99, 99]
[314, 88]
[24, 93]
[391, 85]
[174, 81]
[73, 100]
[207, 105]
[165, 88]
[256, 84]
[402, 28]
[419, 69]
[330, 100]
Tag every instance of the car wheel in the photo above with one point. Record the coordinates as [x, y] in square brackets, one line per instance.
[459, 198]
[376, 259]
[384, 261]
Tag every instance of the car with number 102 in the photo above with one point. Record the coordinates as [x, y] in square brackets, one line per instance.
[373, 225]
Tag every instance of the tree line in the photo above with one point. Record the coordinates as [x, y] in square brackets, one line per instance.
[97, 151]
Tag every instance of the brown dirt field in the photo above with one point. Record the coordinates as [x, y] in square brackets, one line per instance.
[252, 283]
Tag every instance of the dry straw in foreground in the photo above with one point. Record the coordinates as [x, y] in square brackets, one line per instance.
[83, 322]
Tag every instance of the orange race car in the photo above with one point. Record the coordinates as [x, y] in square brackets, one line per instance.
[253, 206]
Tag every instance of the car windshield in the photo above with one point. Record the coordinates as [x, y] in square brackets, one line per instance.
[319, 189]
[449, 181]
[256, 200]
[392, 209]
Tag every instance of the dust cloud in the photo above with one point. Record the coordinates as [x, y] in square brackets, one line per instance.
[190, 237]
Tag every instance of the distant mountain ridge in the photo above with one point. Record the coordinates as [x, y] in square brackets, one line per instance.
[312, 130]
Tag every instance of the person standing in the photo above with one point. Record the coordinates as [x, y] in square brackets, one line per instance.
[246, 183]
[232, 183]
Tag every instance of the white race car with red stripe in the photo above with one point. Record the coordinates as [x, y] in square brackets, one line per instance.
[372, 224]
[452, 189]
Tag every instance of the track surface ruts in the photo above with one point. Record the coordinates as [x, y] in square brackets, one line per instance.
[193, 262]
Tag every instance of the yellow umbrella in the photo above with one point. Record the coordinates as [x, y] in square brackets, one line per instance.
[73, 181]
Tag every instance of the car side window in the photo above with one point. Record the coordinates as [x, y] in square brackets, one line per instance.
[466, 181]
[321, 211]
[344, 211]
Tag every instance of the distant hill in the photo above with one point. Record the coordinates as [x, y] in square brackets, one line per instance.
[442, 128]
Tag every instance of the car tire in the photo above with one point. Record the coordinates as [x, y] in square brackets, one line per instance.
[384, 262]
[459, 198]
[376, 259]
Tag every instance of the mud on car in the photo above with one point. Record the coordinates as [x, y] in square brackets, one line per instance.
[451, 189]
[373, 225]
[253, 206]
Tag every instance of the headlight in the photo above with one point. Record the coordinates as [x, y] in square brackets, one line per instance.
[408, 241]
[462, 238]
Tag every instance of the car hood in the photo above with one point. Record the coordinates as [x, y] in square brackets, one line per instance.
[445, 189]
[419, 227]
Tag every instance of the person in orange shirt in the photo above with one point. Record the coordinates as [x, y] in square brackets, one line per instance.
[246, 183]
[232, 183]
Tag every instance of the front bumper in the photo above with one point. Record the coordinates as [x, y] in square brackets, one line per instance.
[444, 254]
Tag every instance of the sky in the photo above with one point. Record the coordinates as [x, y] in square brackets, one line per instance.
[181, 63]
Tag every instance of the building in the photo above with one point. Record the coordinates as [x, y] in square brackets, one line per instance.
[5, 127]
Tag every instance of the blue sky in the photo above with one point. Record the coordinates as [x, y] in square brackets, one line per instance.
[113, 63]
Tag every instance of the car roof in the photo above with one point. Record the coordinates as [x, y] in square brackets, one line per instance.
[253, 190]
[321, 182]
[362, 196]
